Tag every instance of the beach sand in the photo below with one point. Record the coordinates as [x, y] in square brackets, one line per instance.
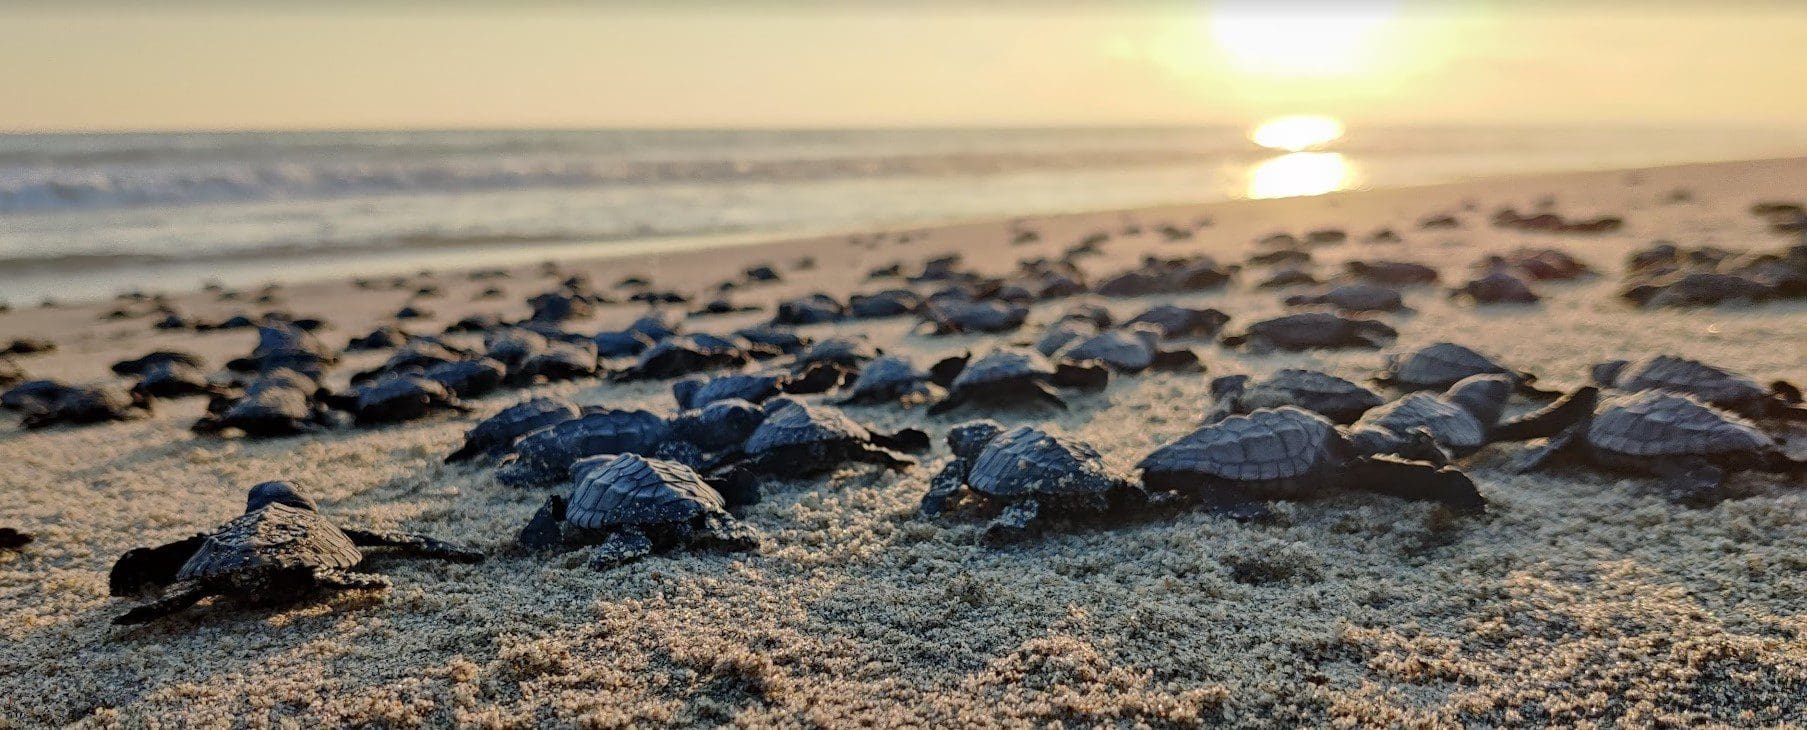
[1579, 598]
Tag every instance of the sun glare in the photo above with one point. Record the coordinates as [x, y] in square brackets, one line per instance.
[1300, 173]
[1297, 133]
[1264, 37]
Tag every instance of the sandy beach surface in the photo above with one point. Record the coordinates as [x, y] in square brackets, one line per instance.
[1580, 597]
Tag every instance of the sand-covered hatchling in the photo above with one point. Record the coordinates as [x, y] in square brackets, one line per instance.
[1712, 385]
[280, 402]
[1339, 400]
[797, 439]
[1442, 364]
[278, 551]
[890, 378]
[1030, 475]
[545, 456]
[496, 434]
[1016, 375]
[1312, 331]
[630, 506]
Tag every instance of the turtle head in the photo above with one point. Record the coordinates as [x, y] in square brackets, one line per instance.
[1485, 396]
[968, 439]
[1229, 386]
[685, 390]
[268, 493]
[1607, 373]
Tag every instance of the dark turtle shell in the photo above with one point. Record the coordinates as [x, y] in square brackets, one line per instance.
[401, 398]
[546, 455]
[1655, 423]
[1358, 297]
[719, 424]
[513, 346]
[279, 402]
[1449, 424]
[792, 423]
[469, 378]
[154, 360]
[982, 316]
[1310, 330]
[1062, 333]
[1710, 384]
[849, 351]
[631, 490]
[559, 361]
[886, 377]
[500, 431]
[1440, 365]
[1339, 400]
[1027, 461]
[621, 343]
[173, 380]
[1269, 445]
[1005, 366]
[29, 393]
[697, 392]
[81, 405]
[276, 537]
[887, 303]
[1177, 321]
[1127, 351]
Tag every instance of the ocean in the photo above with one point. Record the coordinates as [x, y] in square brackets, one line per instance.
[88, 215]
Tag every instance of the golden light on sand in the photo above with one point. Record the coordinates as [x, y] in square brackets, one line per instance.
[1260, 36]
[1296, 133]
[1300, 173]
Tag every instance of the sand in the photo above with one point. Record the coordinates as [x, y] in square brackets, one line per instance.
[1581, 598]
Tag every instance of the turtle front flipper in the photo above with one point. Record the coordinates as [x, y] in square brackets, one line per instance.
[1557, 445]
[881, 456]
[819, 377]
[1088, 374]
[945, 487]
[543, 530]
[954, 399]
[1552, 419]
[1416, 480]
[723, 532]
[1046, 394]
[178, 597]
[1177, 359]
[909, 440]
[345, 580]
[415, 545]
[622, 546]
[1016, 522]
[140, 569]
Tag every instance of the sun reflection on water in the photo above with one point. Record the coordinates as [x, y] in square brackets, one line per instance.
[1300, 173]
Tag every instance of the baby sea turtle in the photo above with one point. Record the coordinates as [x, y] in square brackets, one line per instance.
[886, 303]
[1357, 297]
[545, 456]
[1062, 333]
[890, 378]
[685, 354]
[1311, 331]
[496, 434]
[468, 378]
[1692, 446]
[1130, 351]
[1031, 474]
[279, 550]
[1711, 385]
[284, 345]
[1339, 400]
[800, 439]
[1176, 321]
[1291, 453]
[812, 309]
[1496, 287]
[1440, 365]
[557, 362]
[700, 390]
[1017, 374]
[846, 354]
[631, 506]
[1457, 422]
[173, 380]
[280, 402]
[397, 398]
[382, 338]
[719, 425]
[952, 317]
[1392, 272]
[82, 405]
[157, 359]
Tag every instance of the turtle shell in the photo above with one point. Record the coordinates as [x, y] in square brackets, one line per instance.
[620, 344]
[719, 424]
[1309, 389]
[514, 345]
[985, 316]
[274, 537]
[701, 391]
[1264, 446]
[1307, 329]
[400, 397]
[794, 424]
[1448, 423]
[632, 490]
[1062, 333]
[1655, 423]
[1119, 349]
[608, 432]
[886, 375]
[838, 351]
[1440, 365]
[1028, 461]
[1004, 366]
[519, 420]
[1177, 321]
[1681, 375]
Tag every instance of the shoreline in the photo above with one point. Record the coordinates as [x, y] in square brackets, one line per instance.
[1582, 597]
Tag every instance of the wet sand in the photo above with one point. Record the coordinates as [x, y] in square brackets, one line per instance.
[1581, 597]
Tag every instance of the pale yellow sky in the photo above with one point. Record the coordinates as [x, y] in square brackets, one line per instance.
[943, 64]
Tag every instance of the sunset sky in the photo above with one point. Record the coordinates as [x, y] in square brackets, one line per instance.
[102, 66]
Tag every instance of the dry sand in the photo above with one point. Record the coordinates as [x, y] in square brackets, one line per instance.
[1580, 598]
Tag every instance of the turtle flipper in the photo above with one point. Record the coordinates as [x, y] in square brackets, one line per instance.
[738, 487]
[882, 456]
[414, 545]
[143, 568]
[1015, 523]
[1177, 359]
[1087, 374]
[345, 580]
[543, 530]
[909, 440]
[723, 532]
[1416, 480]
[954, 399]
[621, 547]
[180, 596]
[1541, 456]
[819, 377]
[1526, 385]
[1047, 395]
[945, 487]
[1552, 419]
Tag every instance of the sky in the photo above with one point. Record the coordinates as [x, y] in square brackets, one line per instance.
[77, 66]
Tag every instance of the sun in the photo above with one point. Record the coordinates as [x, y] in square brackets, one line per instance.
[1293, 39]
[1297, 133]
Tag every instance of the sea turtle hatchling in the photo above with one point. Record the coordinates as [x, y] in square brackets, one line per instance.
[1692, 446]
[396, 398]
[800, 439]
[279, 550]
[719, 425]
[499, 432]
[1130, 350]
[545, 456]
[631, 506]
[890, 378]
[1290, 453]
[1031, 474]
[1312, 331]
[1339, 400]
[1015, 374]
[280, 402]
[1356, 297]
[1712, 385]
[1176, 321]
[83, 405]
[961, 317]
[1440, 365]
[1437, 427]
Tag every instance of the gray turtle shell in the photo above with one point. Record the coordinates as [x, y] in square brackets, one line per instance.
[1656, 423]
[888, 374]
[1122, 350]
[699, 392]
[519, 420]
[796, 424]
[555, 447]
[633, 490]
[1440, 365]
[838, 351]
[1004, 366]
[274, 537]
[1308, 329]
[1311, 390]
[1450, 424]
[1267, 445]
[277, 394]
[1062, 333]
[1028, 461]
[1682, 375]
